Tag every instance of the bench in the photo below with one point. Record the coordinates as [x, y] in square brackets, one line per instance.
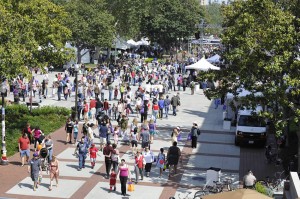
[33, 104]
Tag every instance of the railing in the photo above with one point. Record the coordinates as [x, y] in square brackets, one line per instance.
[292, 189]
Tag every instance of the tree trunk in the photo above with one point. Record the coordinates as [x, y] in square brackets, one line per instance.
[79, 55]
[298, 135]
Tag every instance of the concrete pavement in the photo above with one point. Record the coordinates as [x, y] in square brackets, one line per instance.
[215, 149]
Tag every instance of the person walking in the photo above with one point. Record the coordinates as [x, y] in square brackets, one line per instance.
[195, 132]
[82, 151]
[149, 159]
[34, 169]
[107, 152]
[49, 146]
[160, 161]
[24, 148]
[69, 130]
[155, 109]
[161, 104]
[167, 103]
[115, 159]
[175, 102]
[173, 156]
[139, 166]
[174, 135]
[192, 85]
[124, 174]
[145, 136]
[152, 128]
[93, 155]
[54, 171]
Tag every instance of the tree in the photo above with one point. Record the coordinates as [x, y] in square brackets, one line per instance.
[128, 16]
[260, 41]
[31, 34]
[169, 20]
[213, 15]
[91, 24]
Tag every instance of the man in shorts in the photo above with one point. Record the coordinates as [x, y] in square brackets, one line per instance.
[145, 136]
[103, 131]
[34, 168]
[24, 148]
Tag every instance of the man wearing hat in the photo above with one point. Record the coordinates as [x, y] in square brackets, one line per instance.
[195, 132]
[34, 169]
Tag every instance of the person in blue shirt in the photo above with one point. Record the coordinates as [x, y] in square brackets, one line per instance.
[161, 104]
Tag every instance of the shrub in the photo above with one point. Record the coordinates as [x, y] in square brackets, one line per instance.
[47, 118]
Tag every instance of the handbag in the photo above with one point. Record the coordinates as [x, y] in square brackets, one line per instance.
[130, 186]
[189, 137]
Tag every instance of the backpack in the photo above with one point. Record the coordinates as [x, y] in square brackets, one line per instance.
[82, 148]
[198, 132]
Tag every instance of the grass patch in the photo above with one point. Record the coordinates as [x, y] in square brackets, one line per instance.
[47, 118]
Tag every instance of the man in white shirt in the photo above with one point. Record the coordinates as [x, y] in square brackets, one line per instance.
[249, 180]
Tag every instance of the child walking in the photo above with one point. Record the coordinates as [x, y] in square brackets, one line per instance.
[75, 131]
[116, 134]
[116, 91]
[93, 155]
[112, 180]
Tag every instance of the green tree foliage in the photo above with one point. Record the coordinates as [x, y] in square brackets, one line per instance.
[170, 19]
[213, 15]
[31, 35]
[128, 16]
[91, 24]
[260, 42]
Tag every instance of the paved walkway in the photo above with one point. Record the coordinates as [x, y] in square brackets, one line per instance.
[215, 149]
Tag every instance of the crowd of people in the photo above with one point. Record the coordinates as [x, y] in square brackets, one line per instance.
[150, 103]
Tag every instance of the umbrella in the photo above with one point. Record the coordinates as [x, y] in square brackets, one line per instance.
[237, 194]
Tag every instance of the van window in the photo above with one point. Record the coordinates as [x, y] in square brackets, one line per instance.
[250, 120]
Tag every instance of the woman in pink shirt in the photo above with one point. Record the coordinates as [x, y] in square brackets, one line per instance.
[124, 174]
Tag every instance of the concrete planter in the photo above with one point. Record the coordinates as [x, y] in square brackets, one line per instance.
[226, 124]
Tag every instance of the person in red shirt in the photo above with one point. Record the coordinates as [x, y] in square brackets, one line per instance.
[93, 155]
[86, 109]
[155, 109]
[27, 130]
[93, 108]
[112, 180]
[105, 106]
[24, 145]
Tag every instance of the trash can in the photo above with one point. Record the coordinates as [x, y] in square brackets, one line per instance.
[197, 86]
[212, 174]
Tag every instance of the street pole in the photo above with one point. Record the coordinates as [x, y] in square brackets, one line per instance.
[201, 37]
[76, 68]
[4, 160]
[115, 51]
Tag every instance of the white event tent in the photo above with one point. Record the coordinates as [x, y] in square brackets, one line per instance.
[202, 64]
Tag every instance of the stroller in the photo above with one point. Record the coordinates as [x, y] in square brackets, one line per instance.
[44, 154]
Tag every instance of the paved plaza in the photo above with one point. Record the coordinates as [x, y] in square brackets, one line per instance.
[215, 149]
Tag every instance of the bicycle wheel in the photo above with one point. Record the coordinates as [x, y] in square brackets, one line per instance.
[199, 194]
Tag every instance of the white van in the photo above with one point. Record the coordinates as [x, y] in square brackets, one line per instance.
[250, 128]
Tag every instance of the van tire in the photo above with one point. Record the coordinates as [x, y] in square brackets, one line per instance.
[236, 142]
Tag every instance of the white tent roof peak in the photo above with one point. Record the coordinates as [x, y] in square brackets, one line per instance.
[203, 65]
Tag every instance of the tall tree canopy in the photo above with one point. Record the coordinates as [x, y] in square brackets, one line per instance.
[260, 41]
[170, 19]
[91, 24]
[31, 34]
[128, 16]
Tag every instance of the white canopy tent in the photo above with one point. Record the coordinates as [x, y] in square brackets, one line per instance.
[214, 59]
[202, 64]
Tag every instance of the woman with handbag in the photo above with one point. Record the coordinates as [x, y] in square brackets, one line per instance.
[124, 174]
[160, 161]
[139, 166]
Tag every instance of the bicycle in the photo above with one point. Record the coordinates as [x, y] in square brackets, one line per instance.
[274, 184]
[218, 187]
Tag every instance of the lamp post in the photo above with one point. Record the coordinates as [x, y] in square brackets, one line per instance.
[76, 69]
[4, 160]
